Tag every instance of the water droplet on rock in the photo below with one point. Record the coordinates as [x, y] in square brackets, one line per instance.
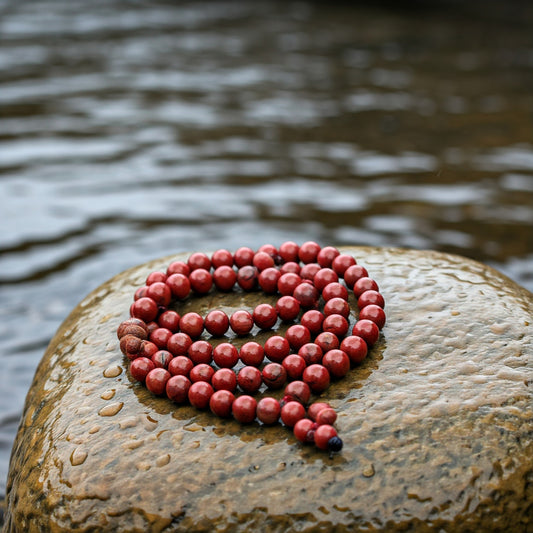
[111, 409]
[108, 394]
[368, 470]
[112, 371]
[163, 460]
[78, 457]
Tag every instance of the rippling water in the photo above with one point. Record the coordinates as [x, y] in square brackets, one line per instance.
[131, 130]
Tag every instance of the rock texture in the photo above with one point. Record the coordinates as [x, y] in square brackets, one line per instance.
[437, 423]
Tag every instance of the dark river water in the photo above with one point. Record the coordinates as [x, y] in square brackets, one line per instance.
[132, 130]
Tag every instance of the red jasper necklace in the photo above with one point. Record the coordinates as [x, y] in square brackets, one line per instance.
[171, 353]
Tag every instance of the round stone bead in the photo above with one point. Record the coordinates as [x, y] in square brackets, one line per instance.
[221, 403]
[177, 388]
[317, 377]
[199, 394]
[225, 355]
[268, 410]
[244, 409]
[249, 379]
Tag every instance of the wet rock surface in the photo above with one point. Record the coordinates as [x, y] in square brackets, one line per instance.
[437, 423]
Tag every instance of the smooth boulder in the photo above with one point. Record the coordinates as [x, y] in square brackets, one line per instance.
[437, 423]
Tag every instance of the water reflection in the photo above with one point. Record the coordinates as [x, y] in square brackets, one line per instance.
[130, 132]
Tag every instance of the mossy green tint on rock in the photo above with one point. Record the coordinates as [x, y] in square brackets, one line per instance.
[437, 423]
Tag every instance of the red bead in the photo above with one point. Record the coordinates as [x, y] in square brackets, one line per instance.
[288, 251]
[312, 320]
[288, 282]
[326, 255]
[243, 256]
[192, 324]
[353, 273]
[265, 316]
[323, 434]
[160, 337]
[291, 412]
[304, 430]
[355, 347]
[297, 336]
[268, 410]
[337, 306]
[327, 341]
[307, 295]
[326, 416]
[294, 365]
[268, 280]
[336, 324]
[367, 330]
[309, 271]
[169, 320]
[290, 266]
[277, 348]
[341, 263]
[225, 355]
[337, 363]
[130, 345]
[224, 379]
[315, 408]
[201, 281]
[178, 267]
[180, 366]
[155, 277]
[161, 358]
[370, 298]
[288, 308]
[200, 352]
[178, 344]
[262, 260]
[364, 284]
[308, 252]
[140, 292]
[222, 258]
[252, 353]
[311, 353]
[274, 376]
[179, 285]
[249, 379]
[133, 326]
[317, 377]
[151, 327]
[216, 322]
[221, 403]
[324, 277]
[298, 391]
[334, 290]
[224, 278]
[247, 278]
[199, 394]
[140, 367]
[241, 322]
[270, 249]
[160, 293]
[244, 409]
[144, 308]
[147, 349]
[156, 380]
[177, 388]
[199, 260]
[373, 313]
[201, 372]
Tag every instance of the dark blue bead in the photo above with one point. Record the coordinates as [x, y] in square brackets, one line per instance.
[335, 444]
